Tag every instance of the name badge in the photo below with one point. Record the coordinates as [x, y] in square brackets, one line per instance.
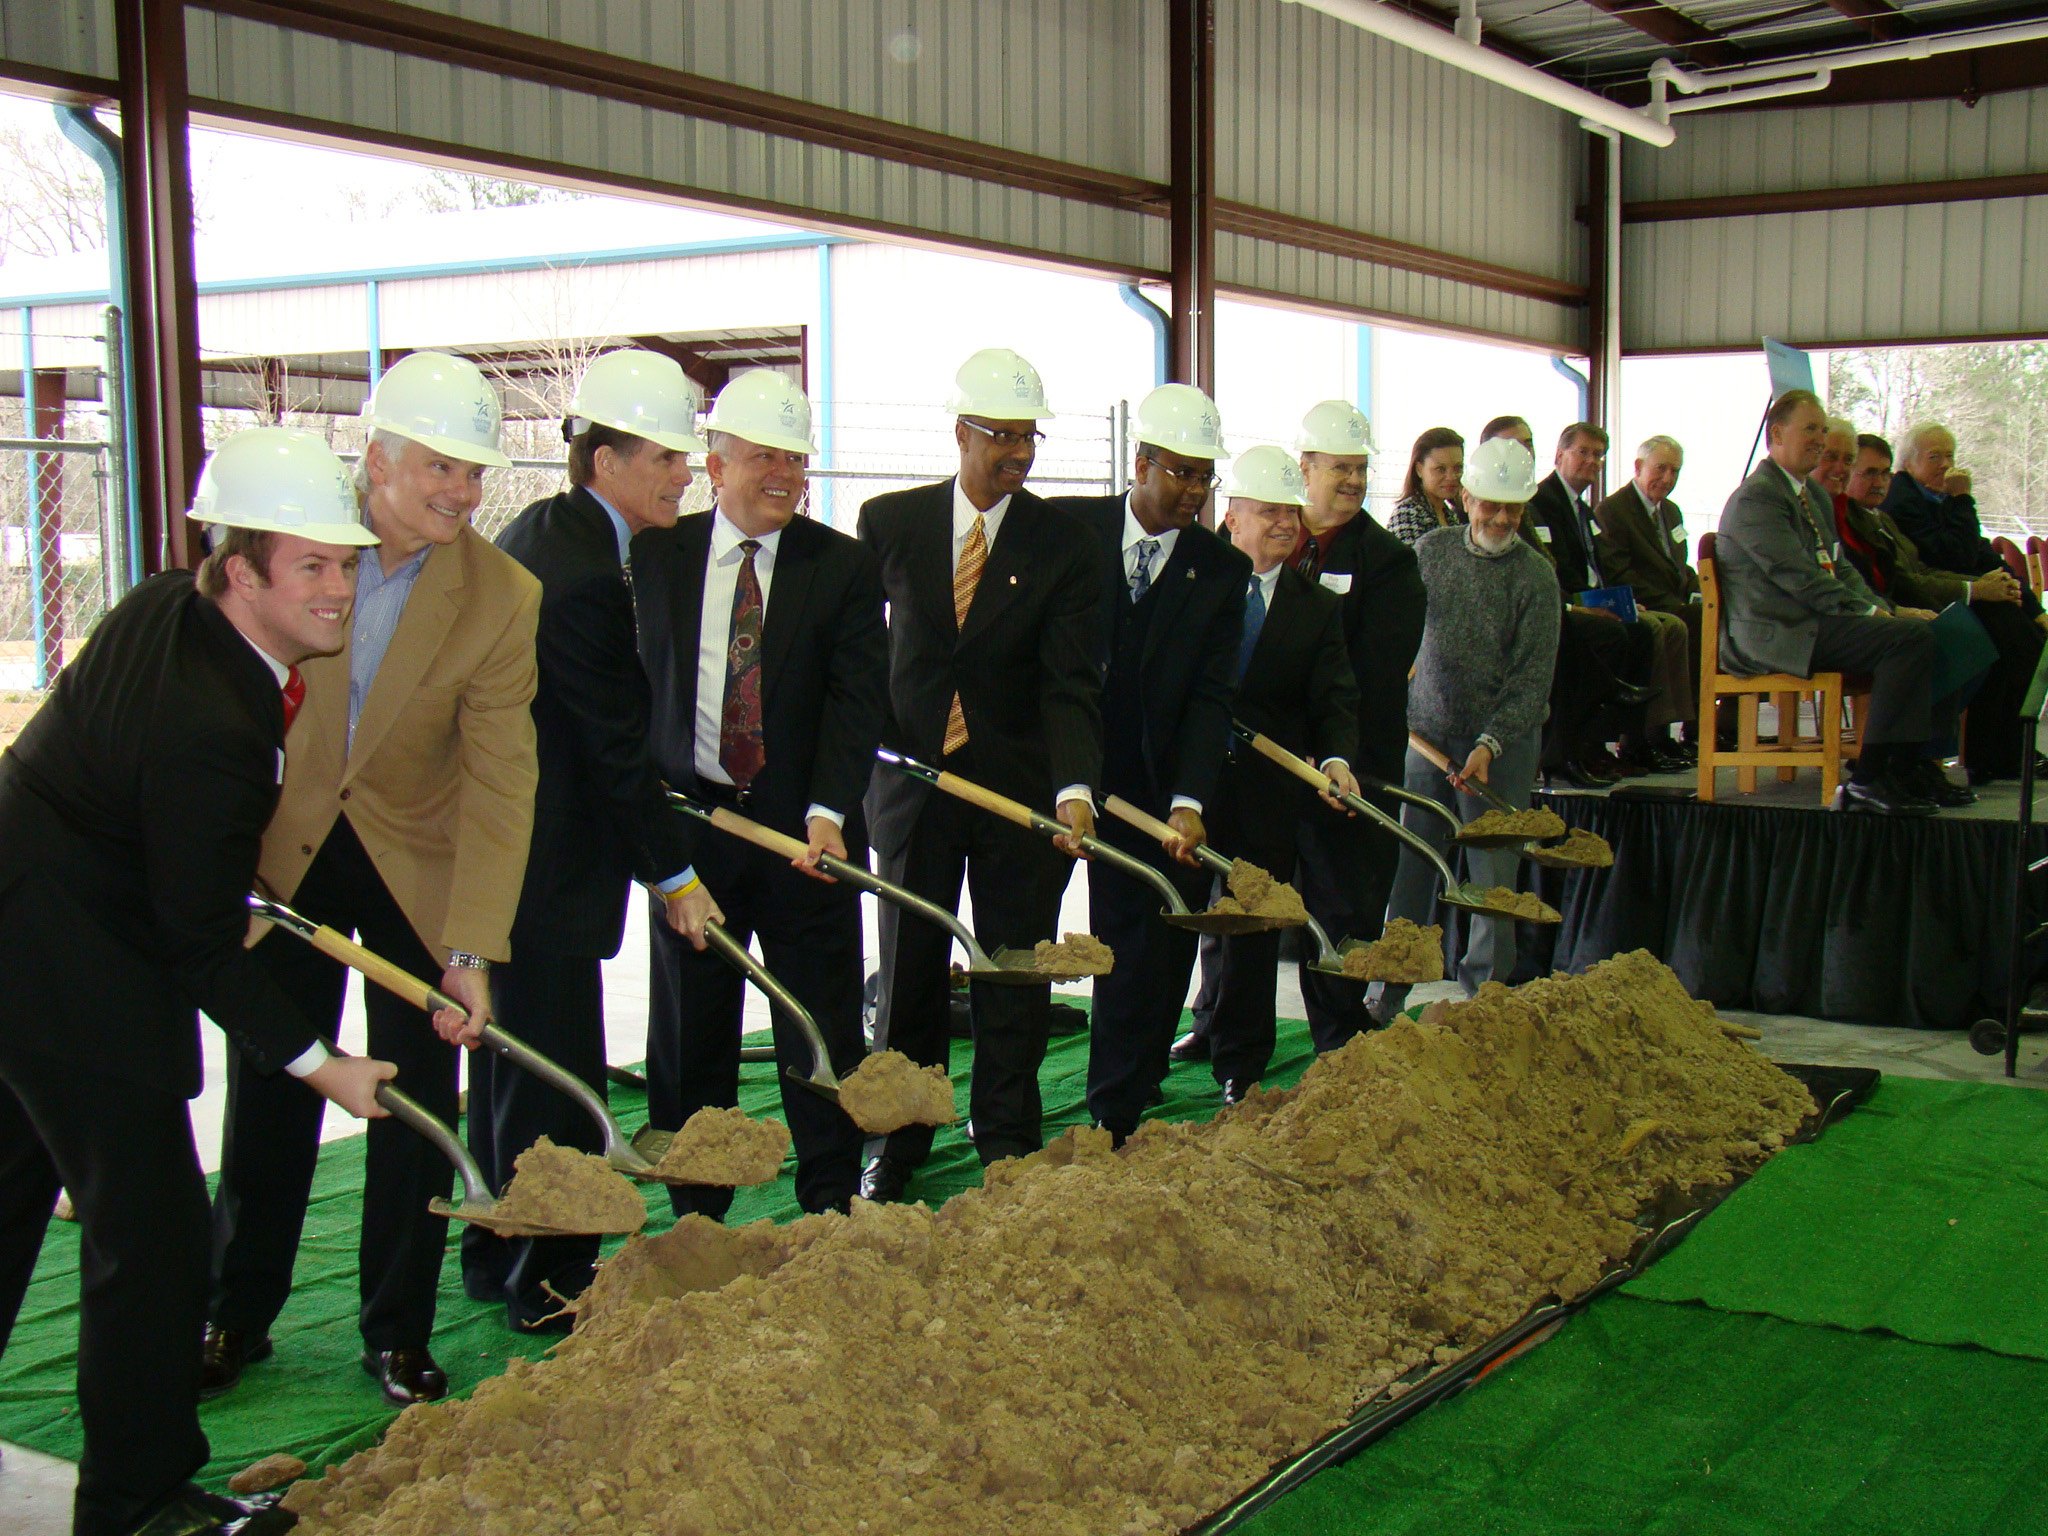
[1543, 533]
[1336, 581]
[280, 765]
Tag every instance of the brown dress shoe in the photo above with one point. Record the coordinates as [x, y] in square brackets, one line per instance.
[406, 1375]
[224, 1354]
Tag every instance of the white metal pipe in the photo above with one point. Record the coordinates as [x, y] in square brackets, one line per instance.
[1692, 81]
[1468, 21]
[1384, 21]
[1818, 81]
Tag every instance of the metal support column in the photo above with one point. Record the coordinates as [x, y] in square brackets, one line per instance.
[1603, 308]
[1191, 65]
[46, 480]
[163, 320]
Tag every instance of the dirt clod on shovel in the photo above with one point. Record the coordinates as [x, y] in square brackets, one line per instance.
[1255, 893]
[888, 1091]
[1406, 953]
[1529, 823]
[570, 1191]
[1076, 954]
[724, 1146]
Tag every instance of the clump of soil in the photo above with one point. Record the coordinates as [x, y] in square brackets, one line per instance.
[1095, 1340]
[1405, 952]
[888, 1091]
[1582, 850]
[271, 1472]
[569, 1191]
[1255, 893]
[1076, 954]
[1519, 903]
[1532, 823]
[723, 1146]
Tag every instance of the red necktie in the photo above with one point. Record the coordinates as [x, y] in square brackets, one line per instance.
[294, 696]
[741, 743]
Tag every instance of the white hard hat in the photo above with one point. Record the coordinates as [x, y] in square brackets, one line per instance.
[443, 402]
[1266, 474]
[1181, 417]
[1501, 469]
[280, 481]
[764, 407]
[1335, 426]
[1000, 385]
[641, 392]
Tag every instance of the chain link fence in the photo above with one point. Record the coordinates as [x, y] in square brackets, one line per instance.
[56, 506]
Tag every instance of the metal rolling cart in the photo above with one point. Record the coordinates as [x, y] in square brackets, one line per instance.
[1990, 1036]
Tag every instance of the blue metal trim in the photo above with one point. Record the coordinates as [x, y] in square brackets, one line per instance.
[1145, 309]
[1584, 384]
[373, 331]
[461, 268]
[32, 504]
[1366, 391]
[826, 382]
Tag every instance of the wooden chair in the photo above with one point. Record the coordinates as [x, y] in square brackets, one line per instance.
[2015, 562]
[2037, 563]
[1790, 751]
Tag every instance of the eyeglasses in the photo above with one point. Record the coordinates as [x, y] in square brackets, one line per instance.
[1004, 439]
[1189, 477]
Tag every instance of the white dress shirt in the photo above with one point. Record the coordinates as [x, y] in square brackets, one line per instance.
[964, 514]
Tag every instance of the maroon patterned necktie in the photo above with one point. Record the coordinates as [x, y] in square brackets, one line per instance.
[741, 749]
[294, 692]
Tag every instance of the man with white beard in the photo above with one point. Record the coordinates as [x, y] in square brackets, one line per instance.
[1481, 691]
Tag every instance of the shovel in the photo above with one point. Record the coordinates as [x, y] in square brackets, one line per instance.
[821, 1081]
[1485, 792]
[1454, 894]
[1409, 797]
[1010, 967]
[1176, 911]
[628, 1157]
[1223, 923]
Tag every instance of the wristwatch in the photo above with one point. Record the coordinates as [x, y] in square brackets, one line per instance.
[458, 960]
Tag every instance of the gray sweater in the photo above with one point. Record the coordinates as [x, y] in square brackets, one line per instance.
[1489, 642]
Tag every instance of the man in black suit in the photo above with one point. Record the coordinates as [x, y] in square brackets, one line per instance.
[1347, 867]
[601, 817]
[993, 610]
[1172, 617]
[132, 809]
[1294, 685]
[762, 634]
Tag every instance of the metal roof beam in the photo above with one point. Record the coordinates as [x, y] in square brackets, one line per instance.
[1884, 22]
[1658, 20]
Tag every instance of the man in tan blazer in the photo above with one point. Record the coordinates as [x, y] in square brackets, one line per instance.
[404, 819]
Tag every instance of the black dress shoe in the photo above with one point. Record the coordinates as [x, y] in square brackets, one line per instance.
[1236, 1088]
[1189, 1047]
[191, 1511]
[223, 1355]
[1883, 796]
[885, 1180]
[1925, 778]
[406, 1375]
[1579, 776]
[1628, 695]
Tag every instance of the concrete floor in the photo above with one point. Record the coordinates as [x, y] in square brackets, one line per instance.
[35, 1490]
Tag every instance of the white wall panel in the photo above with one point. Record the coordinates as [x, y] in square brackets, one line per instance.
[1953, 269]
[76, 36]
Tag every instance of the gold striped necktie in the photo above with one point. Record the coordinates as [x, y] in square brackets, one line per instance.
[973, 556]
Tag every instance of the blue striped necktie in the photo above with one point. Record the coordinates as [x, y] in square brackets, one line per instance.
[1254, 621]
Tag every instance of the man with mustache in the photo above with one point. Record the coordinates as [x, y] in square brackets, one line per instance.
[994, 598]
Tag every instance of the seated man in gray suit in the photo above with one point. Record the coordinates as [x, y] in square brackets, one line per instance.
[1789, 606]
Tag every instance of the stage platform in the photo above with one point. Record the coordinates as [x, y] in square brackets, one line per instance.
[1772, 902]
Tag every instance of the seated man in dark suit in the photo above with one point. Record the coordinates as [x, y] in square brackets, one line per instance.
[1642, 545]
[1787, 606]
[1295, 685]
[1172, 610]
[1931, 501]
[1894, 567]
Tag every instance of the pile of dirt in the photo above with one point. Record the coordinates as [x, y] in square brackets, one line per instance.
[1099, 1341]
[564, 1190]
[723, 1146]
[1519, 903]
[1405, 952]
[1255, 893]
[1582, 850]
[888, 1091]
[1514, 824]
[262, 1476]
[1076, 954]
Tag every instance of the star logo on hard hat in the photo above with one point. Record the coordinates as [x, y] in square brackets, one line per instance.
[484, 415]
[789, 415]
[1021, 383]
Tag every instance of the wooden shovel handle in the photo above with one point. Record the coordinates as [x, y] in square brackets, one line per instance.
[990, 801]
[1151, 826]
[1307, 772]
[391, 977]
[760, 836]
[1430, 752]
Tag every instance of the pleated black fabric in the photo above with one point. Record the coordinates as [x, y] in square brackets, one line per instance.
[1859, 918]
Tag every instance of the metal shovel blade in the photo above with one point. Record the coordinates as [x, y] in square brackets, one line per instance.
[484, 1214]
[652, 1143]
[1493, 839]
[1227, 924]
[1020, 968]
[1470, 898]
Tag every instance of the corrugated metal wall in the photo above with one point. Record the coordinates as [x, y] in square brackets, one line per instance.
[1324, 121]
[74, 36]
[1852, 275]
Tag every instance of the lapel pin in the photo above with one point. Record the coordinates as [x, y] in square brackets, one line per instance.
[1013, 581]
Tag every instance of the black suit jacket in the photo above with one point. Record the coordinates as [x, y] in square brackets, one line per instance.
[601, 817]
[1384, 603]
[1023, 663]
[1552, 508]
[132, 810]
[824, 664]
[1298, 688]
[1189, 668]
